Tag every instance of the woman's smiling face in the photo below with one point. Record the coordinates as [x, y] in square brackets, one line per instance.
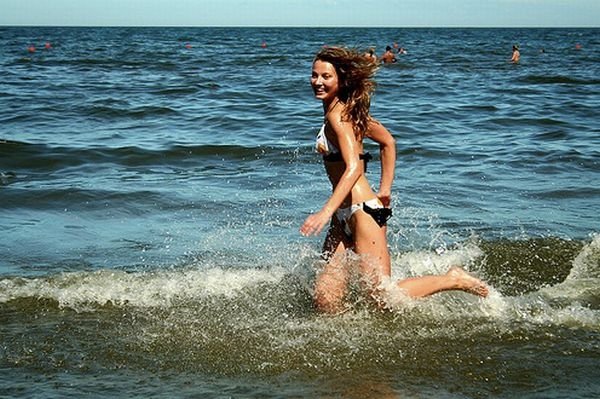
[324, 81]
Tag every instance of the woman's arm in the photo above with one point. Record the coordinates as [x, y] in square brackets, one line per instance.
[348, 148]
[387, 148]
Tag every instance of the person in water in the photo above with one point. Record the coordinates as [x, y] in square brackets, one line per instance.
[343, 80]
[388, 57]
[516, 55]
[370, 55]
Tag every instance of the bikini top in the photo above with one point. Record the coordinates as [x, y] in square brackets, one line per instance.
[323, 145]
[330, 152]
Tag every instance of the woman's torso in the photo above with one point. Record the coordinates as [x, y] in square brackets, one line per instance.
[361, 191]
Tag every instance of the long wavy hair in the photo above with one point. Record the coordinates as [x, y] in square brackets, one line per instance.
[356, 83]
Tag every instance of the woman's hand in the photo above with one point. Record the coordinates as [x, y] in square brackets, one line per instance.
[385, 198]
[387, 149]
[315, 223]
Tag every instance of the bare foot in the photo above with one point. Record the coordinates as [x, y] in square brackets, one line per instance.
[466, 282]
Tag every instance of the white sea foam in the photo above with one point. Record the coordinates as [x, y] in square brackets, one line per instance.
[416, 263]
[570, 302]
[566, 303]
[158, 288]
[587, 263]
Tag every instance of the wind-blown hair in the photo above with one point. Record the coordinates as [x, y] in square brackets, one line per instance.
[356, 83]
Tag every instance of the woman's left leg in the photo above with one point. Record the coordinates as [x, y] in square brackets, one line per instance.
[371, 246]
[370, 243]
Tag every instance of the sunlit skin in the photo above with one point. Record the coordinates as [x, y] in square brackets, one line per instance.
[516, 55]
[350, 186]
[344, 176]
[324, 82]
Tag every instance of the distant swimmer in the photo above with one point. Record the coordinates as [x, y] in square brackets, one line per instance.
[402, 51]
[388, 57]
[516, 56]
[370, 55]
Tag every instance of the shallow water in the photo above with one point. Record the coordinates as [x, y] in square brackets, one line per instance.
[153, 180]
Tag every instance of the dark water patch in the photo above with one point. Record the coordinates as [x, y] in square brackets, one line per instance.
[526, 122]
[559, 158]
[40, 157]
[262, 60]
[557, 79]
[478, 108]
[211, 86]
[176, 90]
[75, 199]
[584, 192]
[110, 64]
[521, 266]
[6, 178]
[424, 152]
[553, 135]
[31, 157]
[112, 113]
[24, 118]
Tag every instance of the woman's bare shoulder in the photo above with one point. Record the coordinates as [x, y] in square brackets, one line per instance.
[337, 122]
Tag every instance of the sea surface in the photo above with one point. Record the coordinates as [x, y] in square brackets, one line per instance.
[153, 181]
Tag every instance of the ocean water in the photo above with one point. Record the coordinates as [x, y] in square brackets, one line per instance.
[153, 180]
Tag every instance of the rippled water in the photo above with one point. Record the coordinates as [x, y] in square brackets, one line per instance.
[152, 182]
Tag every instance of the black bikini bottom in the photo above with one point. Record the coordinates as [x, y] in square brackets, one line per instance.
[337, 157]
[380, 215]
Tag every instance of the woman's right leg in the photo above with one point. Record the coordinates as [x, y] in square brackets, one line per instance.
[331, 284]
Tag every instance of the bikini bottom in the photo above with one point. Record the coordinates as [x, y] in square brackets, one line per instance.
[372, 207]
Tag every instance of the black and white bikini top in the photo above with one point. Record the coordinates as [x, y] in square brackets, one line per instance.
[323, 145]
[330, 152]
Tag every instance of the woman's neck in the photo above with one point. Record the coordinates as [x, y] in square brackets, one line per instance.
[330, 106]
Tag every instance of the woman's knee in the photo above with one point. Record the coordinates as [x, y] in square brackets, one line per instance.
[330, 292]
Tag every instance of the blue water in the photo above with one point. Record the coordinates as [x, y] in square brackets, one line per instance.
[153, 180]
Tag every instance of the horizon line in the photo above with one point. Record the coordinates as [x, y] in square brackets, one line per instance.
[309, 26]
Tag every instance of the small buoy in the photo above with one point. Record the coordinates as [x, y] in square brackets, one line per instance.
[31, 48]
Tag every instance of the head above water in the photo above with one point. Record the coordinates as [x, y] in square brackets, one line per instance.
[355, 75]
